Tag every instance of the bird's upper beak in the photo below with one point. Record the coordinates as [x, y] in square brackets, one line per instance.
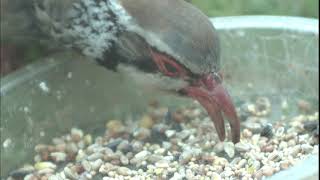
[210, 93]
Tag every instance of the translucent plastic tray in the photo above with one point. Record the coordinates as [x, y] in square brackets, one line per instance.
[261, 55]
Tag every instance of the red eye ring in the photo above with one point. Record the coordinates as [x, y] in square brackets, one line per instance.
[164, 62]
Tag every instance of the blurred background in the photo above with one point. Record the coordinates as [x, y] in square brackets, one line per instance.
[18, 48]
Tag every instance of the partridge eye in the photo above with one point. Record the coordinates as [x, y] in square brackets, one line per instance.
[167, 65]
[172, 69]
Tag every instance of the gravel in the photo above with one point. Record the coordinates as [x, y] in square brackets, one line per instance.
[155, 148]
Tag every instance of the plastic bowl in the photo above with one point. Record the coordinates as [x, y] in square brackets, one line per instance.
[261, 55]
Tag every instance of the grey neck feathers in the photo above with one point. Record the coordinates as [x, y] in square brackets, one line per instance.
[87, 25]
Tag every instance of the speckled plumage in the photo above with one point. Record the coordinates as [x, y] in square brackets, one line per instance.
[94, 26]
[87, 25]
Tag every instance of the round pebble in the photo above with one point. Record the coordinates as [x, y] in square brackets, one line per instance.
[267, 170]
[229, 149]
[242, 147]
[123, 171]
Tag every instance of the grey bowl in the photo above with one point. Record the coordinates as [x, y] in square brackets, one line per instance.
[262, 55]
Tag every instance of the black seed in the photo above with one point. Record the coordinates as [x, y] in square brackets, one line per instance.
[114, 144]
[158, 134]
[311, 125]
[170, 175]
[316, 132]
[267, 131]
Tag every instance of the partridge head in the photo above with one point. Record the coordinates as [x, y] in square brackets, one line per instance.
[168, 44]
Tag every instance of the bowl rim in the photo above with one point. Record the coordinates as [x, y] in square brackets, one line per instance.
[293, 23]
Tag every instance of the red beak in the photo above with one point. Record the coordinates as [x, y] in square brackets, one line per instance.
[210, 93]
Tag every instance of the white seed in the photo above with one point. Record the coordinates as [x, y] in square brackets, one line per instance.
[86, 165]
[306, 148]
[229, 149]
[283, 145]
[241, 163]
[45, 171]
[124, 171]
[58, 156]
[267, 170]
[219, 147]
[70, 173]
[44, 165]
[160, 151]
[95, 165]
[242, 147]
[106, 168]
[162, 164]
[124, 160]
[284, 165]
[185, 157]
[170, 133]
[280, 132]
[142, 155]
[76, 134]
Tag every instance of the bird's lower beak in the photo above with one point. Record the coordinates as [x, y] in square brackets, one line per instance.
[216, 100]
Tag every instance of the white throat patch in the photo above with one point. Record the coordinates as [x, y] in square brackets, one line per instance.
[152, 81]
